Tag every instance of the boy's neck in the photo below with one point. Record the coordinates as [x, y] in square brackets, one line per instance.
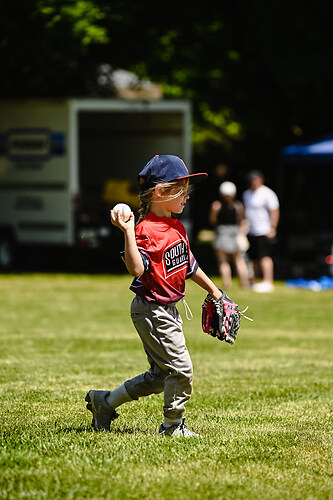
[159, 210]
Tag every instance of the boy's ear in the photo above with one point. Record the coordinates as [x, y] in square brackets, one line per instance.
[158, 191]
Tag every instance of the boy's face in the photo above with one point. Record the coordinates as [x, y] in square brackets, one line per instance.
[176, 197]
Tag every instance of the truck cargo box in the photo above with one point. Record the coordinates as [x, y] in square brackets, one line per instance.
[65, 163]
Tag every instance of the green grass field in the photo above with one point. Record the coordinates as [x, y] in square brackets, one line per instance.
[263, 406]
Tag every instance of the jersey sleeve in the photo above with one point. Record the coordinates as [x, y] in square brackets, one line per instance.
[192, 266]
[144, 243]
[144, 257]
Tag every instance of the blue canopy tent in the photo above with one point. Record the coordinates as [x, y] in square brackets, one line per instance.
[306, 195]
[320, 150]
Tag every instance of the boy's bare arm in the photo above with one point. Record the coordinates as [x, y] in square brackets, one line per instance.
[201, 279]
[132, 255]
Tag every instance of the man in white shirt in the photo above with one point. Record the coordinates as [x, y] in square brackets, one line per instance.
[262, 211]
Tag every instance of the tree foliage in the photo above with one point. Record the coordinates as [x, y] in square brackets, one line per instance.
[258, 73]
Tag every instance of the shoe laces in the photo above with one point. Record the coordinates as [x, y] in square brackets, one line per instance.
[185, 431]
[242, 314]
[182, 425]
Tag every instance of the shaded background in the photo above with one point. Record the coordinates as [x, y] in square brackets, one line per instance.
[258, 75]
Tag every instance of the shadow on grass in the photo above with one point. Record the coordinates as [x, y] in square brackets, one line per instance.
[118, 431]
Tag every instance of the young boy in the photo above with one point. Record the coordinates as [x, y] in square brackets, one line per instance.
[157, 253]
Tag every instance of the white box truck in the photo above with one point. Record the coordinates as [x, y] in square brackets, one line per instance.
[65, 163]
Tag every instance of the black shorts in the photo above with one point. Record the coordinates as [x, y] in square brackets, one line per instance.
[260, 246]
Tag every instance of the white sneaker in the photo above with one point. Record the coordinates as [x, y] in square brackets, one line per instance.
[177, 430]
[263, 287]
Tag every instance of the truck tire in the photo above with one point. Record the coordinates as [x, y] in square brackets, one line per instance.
[7, 253]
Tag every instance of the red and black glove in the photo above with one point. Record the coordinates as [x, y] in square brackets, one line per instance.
[221, 318]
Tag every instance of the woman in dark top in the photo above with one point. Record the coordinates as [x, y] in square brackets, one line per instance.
[227, 216]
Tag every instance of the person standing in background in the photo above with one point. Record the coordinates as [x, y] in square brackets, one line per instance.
[262, 211]
[227, 216]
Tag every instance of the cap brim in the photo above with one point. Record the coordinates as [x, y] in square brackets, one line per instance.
[194, 177]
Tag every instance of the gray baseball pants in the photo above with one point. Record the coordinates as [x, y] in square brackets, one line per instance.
[160, 329]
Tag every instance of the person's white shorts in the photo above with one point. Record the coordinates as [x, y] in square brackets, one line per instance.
[226, 238]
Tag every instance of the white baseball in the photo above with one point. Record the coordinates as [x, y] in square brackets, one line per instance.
[123, 210]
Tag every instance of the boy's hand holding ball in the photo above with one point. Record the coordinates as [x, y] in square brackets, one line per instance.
[123, 210]
[121, 214]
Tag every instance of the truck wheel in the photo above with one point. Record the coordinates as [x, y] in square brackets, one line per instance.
[7, 253]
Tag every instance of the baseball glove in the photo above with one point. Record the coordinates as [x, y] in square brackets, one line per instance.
[221, 318]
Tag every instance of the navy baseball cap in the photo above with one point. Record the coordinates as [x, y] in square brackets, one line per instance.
[165, 168]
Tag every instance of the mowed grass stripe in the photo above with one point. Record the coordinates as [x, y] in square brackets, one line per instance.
[263, 406]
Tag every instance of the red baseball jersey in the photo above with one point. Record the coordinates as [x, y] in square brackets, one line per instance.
[167, 258]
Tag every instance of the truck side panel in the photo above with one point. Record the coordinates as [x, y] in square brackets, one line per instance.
[35, 199]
